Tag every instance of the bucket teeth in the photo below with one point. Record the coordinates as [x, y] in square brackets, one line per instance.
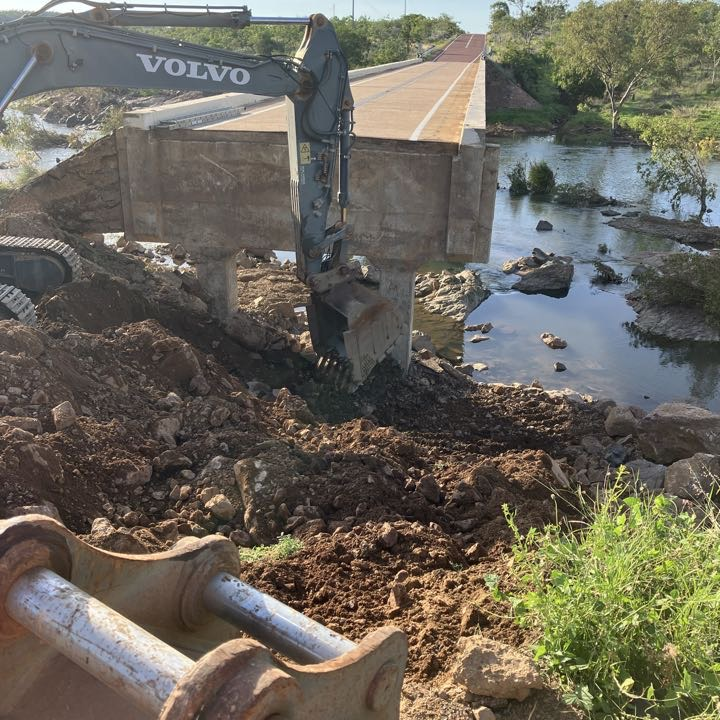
[334, 370]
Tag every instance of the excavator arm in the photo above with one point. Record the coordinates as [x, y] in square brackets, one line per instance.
[351, 326]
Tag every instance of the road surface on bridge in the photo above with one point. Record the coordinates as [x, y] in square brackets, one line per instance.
[420, 102]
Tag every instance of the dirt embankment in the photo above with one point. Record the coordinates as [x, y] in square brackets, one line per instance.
[403, 482]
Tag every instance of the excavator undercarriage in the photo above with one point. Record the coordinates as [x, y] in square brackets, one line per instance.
[28, 268]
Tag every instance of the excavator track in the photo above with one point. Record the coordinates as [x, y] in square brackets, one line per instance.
[15, 305]
[14, 251]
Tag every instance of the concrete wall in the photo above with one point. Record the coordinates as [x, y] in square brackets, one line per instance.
[228, 190]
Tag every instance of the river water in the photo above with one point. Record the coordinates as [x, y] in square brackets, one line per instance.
[606, 356]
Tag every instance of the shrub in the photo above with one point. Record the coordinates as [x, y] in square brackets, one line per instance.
[626, 605]
[578, 195]
[686, 279]
[112, 120]
[541, 178]
[518, 180]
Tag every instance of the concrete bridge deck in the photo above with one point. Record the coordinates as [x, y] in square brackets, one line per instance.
[421, 102]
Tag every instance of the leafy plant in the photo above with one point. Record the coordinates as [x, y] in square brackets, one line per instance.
[678, 160]
[285, 547]
[518, 179]
[626, 606]
[24, 133]
[112, 120]
[541, 178]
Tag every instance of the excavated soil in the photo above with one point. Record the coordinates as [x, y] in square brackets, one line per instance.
[402, 483]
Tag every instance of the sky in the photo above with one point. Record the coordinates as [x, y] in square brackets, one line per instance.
[471, 14]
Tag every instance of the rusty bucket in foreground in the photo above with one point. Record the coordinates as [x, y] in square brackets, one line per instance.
[87, 634]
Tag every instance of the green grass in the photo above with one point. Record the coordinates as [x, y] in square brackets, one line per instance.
[625, 606]
[285, 547]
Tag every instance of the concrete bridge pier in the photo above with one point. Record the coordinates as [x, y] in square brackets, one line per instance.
[397, 283]
[217, 273]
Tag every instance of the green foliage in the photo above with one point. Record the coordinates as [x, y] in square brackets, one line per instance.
[587, 127]
[541, 178]
[25, 170]
[678, 159]
[518, 180]
[285, 547]
[605, 275]
[623, 43]
[686, 280]
[578, 195]
[112, 120]
[626, 606]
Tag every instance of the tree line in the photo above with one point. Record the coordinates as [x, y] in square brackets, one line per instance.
[607, 50]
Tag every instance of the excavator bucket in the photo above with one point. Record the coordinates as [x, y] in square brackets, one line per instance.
[87, 634]
[352, 327]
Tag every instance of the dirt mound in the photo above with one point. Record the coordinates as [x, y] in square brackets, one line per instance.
[503, 93]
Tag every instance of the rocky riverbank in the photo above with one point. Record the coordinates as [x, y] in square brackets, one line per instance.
[691, 233]
[137, 420]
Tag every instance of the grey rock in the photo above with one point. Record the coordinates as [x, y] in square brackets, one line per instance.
[64, 415]
[220, 507]
[672, 321]
[693, 478]
[649, 475]
[451, 295]
[675, 431]
[544, 226]
[553, 341]
[552, 278]
[559, 367]
[622, 420]
[616, 455]
[429, 489]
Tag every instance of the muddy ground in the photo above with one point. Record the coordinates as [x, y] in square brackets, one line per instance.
[402, 483]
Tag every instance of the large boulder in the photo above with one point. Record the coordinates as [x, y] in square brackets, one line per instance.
[693, 478]
[675, 431]
[553, 277]
[454, 295]
[492, 669]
